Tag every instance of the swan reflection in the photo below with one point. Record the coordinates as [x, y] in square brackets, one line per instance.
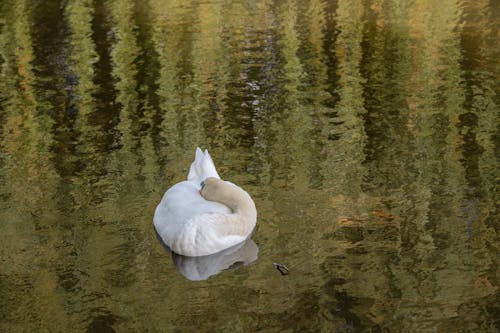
[201, 268]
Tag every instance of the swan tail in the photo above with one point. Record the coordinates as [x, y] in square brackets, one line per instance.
[202, 167]
[194, 170]
[208, 167]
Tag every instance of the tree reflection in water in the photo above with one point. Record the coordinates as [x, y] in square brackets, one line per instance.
[364, 130]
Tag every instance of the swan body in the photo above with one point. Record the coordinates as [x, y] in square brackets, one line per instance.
[204, 214]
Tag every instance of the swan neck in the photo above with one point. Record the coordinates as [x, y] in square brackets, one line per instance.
[243, 208]
[241, 203]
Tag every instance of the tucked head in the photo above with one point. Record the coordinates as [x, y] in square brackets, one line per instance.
[210, 187]
[226, 193]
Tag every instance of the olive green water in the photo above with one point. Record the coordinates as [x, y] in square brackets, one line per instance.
[366, 132]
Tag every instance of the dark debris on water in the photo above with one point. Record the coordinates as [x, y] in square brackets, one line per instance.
[282, 268]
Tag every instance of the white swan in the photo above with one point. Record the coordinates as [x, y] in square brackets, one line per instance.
[204, 214]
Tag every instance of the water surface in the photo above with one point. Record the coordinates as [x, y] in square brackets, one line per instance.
[366, 132]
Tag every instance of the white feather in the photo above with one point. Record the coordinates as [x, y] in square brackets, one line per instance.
[191, 225]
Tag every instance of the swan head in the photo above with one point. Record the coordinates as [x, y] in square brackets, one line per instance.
[213, 189]
[234, 197]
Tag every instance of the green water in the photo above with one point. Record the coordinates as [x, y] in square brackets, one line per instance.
[367, 133]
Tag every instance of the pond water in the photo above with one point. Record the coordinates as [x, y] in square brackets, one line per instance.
[366, 132]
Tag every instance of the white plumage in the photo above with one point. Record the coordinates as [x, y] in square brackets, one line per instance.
[193, 226]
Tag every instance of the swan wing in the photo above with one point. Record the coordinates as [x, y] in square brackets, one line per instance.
[181, 204]
[207, 234]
